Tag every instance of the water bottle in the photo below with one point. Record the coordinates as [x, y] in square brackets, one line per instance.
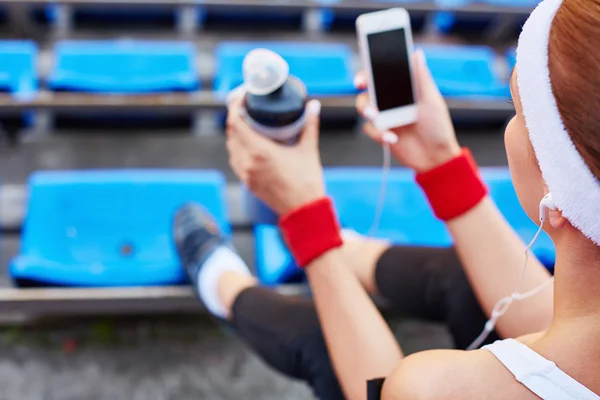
[275, 101]
[274, 106]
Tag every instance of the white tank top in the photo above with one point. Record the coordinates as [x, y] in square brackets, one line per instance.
[541, 376]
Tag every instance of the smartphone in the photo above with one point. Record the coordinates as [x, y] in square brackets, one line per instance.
[386, 48]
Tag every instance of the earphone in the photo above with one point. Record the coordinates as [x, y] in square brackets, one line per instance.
[546, 204]
[502, 306]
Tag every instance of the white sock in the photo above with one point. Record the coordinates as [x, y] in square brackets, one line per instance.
[222, 260]
[350, 234]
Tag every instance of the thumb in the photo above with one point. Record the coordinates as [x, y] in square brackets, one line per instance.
[427, 89]
[310, 136]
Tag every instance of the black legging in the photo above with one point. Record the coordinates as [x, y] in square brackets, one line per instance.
[423, 283]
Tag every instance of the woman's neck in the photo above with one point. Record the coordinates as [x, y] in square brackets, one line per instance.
[577, 285]
[573, 341]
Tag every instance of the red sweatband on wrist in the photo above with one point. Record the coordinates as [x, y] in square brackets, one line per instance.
[311, 230]
[454, 187]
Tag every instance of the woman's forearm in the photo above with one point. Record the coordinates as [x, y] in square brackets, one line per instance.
[360, 343]
[493, 255]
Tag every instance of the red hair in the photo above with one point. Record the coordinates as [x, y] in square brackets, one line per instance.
[574, 63]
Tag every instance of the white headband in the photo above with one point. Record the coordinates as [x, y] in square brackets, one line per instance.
[576, 191]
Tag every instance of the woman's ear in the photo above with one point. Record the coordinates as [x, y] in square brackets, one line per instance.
[557, 221]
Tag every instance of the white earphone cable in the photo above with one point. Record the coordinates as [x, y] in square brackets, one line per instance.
[504, 303]
[385, 172]
[502, 306]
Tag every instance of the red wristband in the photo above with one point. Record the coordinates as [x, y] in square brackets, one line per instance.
[311, 230]
[454, 187]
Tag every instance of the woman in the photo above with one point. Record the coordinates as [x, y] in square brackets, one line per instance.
[553, 145]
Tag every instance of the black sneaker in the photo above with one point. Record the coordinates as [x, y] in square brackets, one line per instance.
[197, 236]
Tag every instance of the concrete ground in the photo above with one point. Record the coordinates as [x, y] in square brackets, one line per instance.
[158, 357]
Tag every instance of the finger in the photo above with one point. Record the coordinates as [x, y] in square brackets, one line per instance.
[238, 127]
[372, 132]
[238, 168]
[236, 94]
[365, 108]
[310, 135]
[427, 89]
[360, 81]
[379, 136]
[234, 113]
[237, 159]
[253, 141]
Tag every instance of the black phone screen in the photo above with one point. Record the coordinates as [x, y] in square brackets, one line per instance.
[391, 69]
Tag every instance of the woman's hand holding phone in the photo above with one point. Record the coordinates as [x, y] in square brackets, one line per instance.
[431, 140]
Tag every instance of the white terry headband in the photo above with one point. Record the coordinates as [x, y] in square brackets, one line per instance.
[576, 191]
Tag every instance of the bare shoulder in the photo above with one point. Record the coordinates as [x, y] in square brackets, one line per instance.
[450, 374]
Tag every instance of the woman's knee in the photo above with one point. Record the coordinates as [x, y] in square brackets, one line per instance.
[285, 332]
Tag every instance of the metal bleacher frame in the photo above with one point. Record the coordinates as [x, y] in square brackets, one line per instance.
[66, 301]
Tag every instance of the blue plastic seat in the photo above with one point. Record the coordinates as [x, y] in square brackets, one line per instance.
[448, 22]
[108, 16]
[345, 19]
[511, 3]
[503, 192]
[465, 71]
[110, 228]
[452, 3]
[124, 66]
[499, 3]
[511, 57]
[18, 69]
[407, 218]
[253, 16]
[264, 17]
[326, 69]
[405, 1]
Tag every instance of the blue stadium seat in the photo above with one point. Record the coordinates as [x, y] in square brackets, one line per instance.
[274, 263]
[465, 71]
[326, 69]
[502, 191]
[111, 15]
[511, 57]
[124, 66]
[18, 69]
[499, 3]
[110, 228]
[448, 22]
[452, 3]
[257, 211]
[264, 17]
[252, 16]
[1, 222]
[407, 218]
[345, 19]
[511, 3]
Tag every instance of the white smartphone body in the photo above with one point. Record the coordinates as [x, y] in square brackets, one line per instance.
[386, 48]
